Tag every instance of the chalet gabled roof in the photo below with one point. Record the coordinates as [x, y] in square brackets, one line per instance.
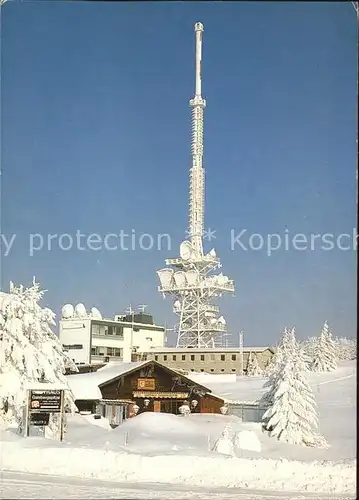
[130, 368]
[86, 386]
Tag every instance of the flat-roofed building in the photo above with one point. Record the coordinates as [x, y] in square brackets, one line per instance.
[209, 360]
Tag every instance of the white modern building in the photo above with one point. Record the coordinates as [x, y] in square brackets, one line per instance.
[91, 339]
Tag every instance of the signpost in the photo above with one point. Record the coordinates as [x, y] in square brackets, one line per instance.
[41, 403]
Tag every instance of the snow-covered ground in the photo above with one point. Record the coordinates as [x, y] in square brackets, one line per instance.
[161, 449]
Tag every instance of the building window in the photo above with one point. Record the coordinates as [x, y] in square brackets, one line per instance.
[174, 357]
[136, 328]
[117, 352]
[222, 370]
[223, 357]
[212, 370]
[183, 357]
[95, 329]
[110, 351]
[234, 357]
[192, 357]
[72, 346]
[103, 330]
[165, 357]
[93, 350]
[202, 370]
[109, 330]
[118, 330]
[202, 357]
[233, 369]
[156, 358]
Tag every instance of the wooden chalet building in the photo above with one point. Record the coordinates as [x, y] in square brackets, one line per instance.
[149, 385]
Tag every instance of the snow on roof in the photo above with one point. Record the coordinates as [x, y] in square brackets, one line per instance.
[85, 386]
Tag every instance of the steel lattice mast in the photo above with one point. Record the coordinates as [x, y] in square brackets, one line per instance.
[196, 190]
[190, 279]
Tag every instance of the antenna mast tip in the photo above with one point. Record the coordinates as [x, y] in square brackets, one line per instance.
[198, 27]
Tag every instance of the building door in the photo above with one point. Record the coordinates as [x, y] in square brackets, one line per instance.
[157, 406]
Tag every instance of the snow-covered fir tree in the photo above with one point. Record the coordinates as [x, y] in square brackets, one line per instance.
[288, 348]
[30, 353]
[308, 347]
[325, 355]
[292, 414]
[253, 368]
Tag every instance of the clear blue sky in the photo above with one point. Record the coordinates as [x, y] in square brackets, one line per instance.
[95, 137]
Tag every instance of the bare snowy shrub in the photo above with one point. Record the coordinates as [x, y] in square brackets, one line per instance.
[29, 352]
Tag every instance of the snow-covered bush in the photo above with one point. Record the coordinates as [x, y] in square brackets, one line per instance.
[325, 354]
[224, 443]
[292, 414]
[253, 368]
[247, 440]
[29, 352]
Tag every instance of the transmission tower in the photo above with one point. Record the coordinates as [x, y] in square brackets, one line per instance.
[190, 279]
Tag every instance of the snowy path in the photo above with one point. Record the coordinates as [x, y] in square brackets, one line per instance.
[20, 485]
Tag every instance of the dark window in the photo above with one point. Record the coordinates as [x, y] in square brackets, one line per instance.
[183, 357]
[156, 358]
[93, 350]
[192, 369]
[202, 370]
[234, 357]
[136, 328]
[117, 352]
[223, 357]
[233, 369]
[222, 370]
[118, 330]
[72, 346]
[202, 357]
[212, 370]
[109, 330]
[174, 357]
[192, 357]
[165, 357]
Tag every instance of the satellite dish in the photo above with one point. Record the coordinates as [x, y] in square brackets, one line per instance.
[80, 311]
[221, 280]
[180, 279]
[186, 250]
[95, 313]
[192, 277]
[67, 311]
[165, 276]
[221, 320]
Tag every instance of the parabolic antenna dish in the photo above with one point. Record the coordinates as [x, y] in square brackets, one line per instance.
[165, 276]
[95, 313]
[186, 250]
[192, 277]
[80, 311]
[180, 279]
[221, 280]
[67, 311]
